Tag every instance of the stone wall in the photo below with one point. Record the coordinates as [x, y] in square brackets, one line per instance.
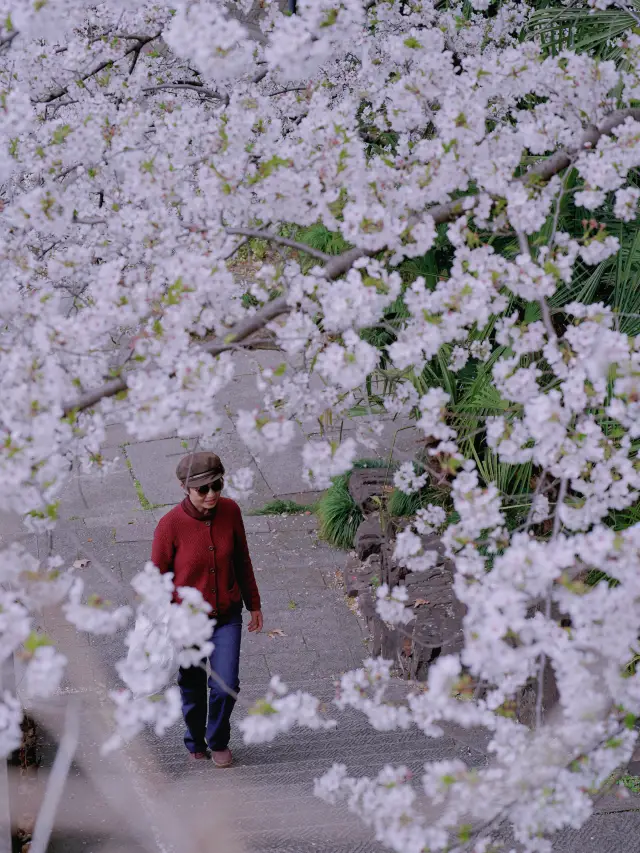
[437, 626]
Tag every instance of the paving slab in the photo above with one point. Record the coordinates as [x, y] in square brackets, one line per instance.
[90, 494]
[11, 524]
[135, 532]
[253, 668]
[256, 524]
[249, 363]
[154, 464]
[283, 471]
[241, 393]
[133, 515]
[275, 640]
[306, 498]
[307, 522]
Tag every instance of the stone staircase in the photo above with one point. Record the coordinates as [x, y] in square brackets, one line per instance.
[265, 802]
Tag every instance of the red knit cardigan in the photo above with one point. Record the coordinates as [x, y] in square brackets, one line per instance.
[208, 552]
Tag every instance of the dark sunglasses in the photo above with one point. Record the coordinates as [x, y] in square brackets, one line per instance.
[211, 487]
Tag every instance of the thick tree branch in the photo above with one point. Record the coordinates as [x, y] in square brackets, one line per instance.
[543, 171]
[260, 75]
[340, 264]
[5, 41]
[238, 333]
[140, 42]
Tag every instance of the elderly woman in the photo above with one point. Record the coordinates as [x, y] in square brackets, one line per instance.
[202, 541]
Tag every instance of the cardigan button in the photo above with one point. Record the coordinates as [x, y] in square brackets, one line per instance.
[208, 524]
[211, 547]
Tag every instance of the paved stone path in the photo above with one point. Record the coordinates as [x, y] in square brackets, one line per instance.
[265, 802]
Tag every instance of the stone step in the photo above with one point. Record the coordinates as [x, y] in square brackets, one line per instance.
[293, 763]
[312, 842]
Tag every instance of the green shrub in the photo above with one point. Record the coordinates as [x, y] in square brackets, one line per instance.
[631, 782]
[400, 504]
[339, 514]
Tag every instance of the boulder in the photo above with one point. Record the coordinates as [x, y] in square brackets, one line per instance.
[369, 537]
[367, 483]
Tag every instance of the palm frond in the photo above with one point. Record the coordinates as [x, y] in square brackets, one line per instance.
[581, 30]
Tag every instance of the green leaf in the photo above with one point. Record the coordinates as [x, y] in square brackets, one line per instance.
[262, 708]
[35, 640]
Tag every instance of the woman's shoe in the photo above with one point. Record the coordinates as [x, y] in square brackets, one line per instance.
[222, 757]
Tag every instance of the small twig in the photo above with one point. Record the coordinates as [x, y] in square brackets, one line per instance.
[524, 244]
[134, 60]
[57, 779]
[544, 307]
[539, 488]
[285, 91]
[556, 213]
[546, 319]
[190, 87]
[89, 220]
[282, 241]
[562, 491]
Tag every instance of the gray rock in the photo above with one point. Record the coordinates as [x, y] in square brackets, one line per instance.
[369, 537]
[367, 483]
[358, 576]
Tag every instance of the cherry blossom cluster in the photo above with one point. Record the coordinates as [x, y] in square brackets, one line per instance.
[279, 711]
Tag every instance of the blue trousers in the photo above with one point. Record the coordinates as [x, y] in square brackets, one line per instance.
[213, 731]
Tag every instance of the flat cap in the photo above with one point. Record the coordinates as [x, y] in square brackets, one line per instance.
[199, 469]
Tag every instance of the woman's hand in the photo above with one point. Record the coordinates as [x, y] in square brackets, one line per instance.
[256, 621]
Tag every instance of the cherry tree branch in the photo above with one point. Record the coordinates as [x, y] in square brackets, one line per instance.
[140, 42]
[192, 87]
[544, 170]
[238, 333]
[286, 91]
[5, 41]
[260, 75]
[282, 241]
